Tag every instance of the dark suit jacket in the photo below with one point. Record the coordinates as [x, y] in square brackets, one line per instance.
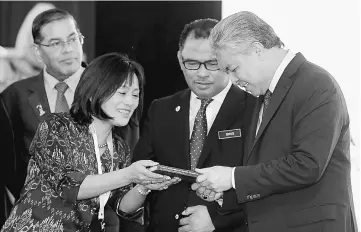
[165, 139]
[20, 111]
[297, 171]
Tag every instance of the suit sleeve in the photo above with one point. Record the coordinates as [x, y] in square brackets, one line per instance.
[228, 216]
[8, 116]
[317, 126]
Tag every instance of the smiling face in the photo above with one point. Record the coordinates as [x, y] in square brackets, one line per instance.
[64, 62]
[121, 105]
[204, 83]
[245, 69]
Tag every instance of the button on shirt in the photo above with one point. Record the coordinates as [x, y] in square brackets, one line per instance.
[51, 92]
[211, 110]
[276, 77]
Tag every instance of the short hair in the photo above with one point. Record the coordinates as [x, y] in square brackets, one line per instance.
[46, 17]
[243, 27]
[99, 81]
[199, 29]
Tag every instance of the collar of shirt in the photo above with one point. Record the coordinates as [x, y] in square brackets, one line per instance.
[71, 81]
[212, 109]
[281, 68]
[219, 98]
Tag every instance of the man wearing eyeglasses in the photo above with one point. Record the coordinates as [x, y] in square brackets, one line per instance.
[58, 43]
[201, 126]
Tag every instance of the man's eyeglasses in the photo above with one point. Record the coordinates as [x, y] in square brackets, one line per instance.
[60, 44]
[211, 65]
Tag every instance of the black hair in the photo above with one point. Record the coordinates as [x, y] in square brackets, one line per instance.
[99, 81]
[200, 29]
[46, 17]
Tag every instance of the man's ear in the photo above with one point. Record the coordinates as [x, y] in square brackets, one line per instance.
[179, 55]
[258, 48]
[36, 51]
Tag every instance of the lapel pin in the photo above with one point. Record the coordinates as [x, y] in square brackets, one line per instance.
[41, 111]
[177, 108]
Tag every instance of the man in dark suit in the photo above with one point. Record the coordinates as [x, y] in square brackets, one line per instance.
[172, 137]
[58, 43]
[296, 174]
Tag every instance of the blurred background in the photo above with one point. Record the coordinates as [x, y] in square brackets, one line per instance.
[326, 32]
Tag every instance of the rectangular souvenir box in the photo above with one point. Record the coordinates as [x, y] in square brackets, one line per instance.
[186, 175]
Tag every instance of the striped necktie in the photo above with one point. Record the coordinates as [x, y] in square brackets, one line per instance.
[61, 104]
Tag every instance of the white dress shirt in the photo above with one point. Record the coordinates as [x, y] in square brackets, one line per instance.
[52, 93]
[276, 77]
[211, 110]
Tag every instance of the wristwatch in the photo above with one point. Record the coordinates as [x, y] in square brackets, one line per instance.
[142, 191]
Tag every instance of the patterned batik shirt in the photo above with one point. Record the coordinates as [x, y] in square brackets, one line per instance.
[62, 155]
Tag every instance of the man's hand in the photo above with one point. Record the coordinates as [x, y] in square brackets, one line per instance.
[206, 194]
[162, 185]
[217, 178]
[198, 220]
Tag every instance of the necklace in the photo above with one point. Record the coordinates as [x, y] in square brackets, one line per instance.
[103, 145]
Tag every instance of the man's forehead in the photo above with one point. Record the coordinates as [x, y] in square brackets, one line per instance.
[61, 28]
[196, 54]
[221, 63]
[224, 58]
[194, 46]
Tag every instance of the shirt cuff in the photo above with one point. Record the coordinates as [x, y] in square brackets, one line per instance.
[233, 180]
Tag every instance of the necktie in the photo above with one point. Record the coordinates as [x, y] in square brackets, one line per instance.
[199, 133]
[61, 104]
[265, 99]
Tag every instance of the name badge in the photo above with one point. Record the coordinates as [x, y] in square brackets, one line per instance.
[228, 134]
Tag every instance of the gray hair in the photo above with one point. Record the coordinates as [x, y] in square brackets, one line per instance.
[243, 27]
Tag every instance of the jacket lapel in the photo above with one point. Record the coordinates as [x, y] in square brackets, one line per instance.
[230, 110]
[37, 97]
[278, 95]
[252, 130]
[181, 123]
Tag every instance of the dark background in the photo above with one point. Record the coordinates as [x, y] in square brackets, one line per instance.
[148, 31]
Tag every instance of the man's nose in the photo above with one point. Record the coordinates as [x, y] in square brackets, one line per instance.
[67, 47]
[202, 71]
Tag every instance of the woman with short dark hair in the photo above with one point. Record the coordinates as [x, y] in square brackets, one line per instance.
[78, 163]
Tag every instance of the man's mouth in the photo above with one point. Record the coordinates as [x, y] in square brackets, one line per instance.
[68, 60]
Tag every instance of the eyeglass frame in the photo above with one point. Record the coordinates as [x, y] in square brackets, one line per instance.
[200, 64]
[62, 42]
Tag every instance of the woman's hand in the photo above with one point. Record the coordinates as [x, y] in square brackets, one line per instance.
[138, 173]
[162, 185]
